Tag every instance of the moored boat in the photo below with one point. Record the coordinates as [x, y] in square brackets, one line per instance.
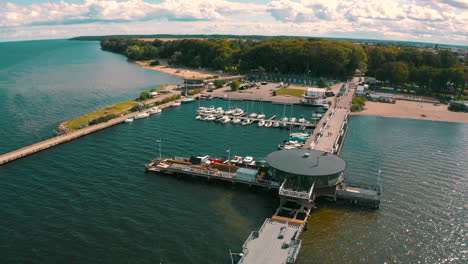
[261, 123]
[142, 115]
[128, 120]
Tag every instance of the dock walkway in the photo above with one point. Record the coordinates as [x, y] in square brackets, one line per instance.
[331, 128]
[259, 119]
[46, 144]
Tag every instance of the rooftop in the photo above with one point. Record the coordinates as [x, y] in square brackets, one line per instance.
[307, 162]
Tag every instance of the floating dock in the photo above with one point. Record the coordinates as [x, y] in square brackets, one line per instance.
[307, 125]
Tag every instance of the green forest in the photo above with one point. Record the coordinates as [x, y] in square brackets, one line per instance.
[409, 68]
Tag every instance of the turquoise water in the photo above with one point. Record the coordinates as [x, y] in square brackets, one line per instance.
[90, 200]
[45, 82]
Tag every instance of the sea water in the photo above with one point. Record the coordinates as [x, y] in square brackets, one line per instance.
[90, 200]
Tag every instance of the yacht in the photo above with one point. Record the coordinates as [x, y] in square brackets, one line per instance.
[253, 115]
[154, 110]
[238, 112]
[210, 118]
[225, 120]
[302, 120]
[128, 120]
[188, 100]
[284, 119]
[236, 120]
[236, 159]
[293, 119]
[247, 160]
[261, 116]
[246, 122]
[268, 124]
[198, 117]
[176, 104]
[261, 123]
[141, 115]
[276, 124]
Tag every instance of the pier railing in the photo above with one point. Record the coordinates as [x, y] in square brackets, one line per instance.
[284, 191]
[294, 248]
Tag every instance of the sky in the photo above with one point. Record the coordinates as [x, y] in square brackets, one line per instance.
[435, 21]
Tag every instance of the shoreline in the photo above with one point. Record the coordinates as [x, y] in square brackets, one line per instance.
[413, 110]
[178, 71]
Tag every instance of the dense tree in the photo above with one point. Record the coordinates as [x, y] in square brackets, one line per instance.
[234, 85]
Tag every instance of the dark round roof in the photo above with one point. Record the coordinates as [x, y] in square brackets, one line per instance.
[307, 162]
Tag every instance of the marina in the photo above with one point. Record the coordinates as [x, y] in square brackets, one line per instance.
[300, 175]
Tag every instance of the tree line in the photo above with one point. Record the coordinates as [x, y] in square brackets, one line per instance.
[428, 71]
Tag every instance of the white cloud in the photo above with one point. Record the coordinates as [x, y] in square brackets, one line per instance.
[111, 10]
[413, 20]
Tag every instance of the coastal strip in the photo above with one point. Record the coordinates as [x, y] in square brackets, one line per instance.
[49, 143]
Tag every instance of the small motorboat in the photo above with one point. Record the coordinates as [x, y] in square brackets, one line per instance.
[246, 122]
[238, 112]
[236, 120]
[276, 124]
[198, 117]
[229, 112]
[129, 120]
[154, 110]
[247, 160]
[188, 100]
[299, 135]
[210, 118]
[302, 120]
[236, 159]
[284, 119]
[268, 124]
[253, 115]
[226, 120]
[261, 123]
[176, 104]
[293, 119]
[142, 115]
[261, 116]
[283, 124]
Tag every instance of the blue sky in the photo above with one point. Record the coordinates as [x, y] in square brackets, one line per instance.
[440, 21]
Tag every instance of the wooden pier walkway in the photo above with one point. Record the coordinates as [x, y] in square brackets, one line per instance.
[332, 127]
[49, 143]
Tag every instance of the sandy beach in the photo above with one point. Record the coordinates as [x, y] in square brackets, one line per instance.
[179, 71]
[415, 110]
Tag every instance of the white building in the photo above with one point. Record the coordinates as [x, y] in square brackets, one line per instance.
[315, 96]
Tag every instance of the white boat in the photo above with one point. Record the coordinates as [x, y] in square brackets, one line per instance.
[154, 110]
[302, 120]
[236, 159]
[316, 115]
[236, 120]
[299, 135]
[225, 120]
[253, 115]
[268, 124]
[261, 123]
[293, 119]
[198, 117]
[201, 109]
[220, 112]
[284, 119]
[229, 112]
[276, 124]
[219, 109]
[210, 118]
[246, 122]
[261, 116]
[238, 112]
[176, 104]
[141, 115]
[247, 160]
[128, 120]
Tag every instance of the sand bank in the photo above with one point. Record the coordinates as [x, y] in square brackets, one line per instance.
[179, 71]
[415, 110]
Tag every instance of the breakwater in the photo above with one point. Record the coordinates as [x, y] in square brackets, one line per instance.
[49, 143]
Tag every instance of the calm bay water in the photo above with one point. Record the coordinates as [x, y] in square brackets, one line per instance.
[90, 201]
[45, 82]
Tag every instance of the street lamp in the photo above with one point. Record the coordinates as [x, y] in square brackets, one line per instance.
[159, 142]
[232, 253]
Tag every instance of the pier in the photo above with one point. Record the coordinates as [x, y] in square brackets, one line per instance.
[49, 143]
[329, 133]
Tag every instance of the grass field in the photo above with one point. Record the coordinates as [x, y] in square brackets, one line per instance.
[291, 92]
[116, 109]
